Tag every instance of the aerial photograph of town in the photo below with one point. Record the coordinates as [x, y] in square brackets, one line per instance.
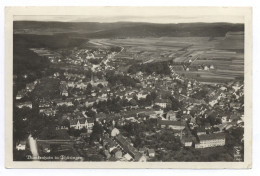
[124, 90]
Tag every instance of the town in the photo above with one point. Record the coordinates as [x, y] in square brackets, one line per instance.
[128, 92]
[85, 107]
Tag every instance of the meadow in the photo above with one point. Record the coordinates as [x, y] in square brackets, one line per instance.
[195, 51]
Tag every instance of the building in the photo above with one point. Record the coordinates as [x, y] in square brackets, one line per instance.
[89, 102]
[187, 141]
[162, 102]
[87, 123]
[64, 88]
[175, 125]
[128, 148]
[24, 104]
[64, 93]
[211, 140]
[71, 84]
[48, 111]
[201, 130]
[117, 153]
[142, 150]
[30, 87]
[100, 116]
[151, 153]
[21, 145]
[20, 94]
[67, 102]
[142, 95]
[115, 132]
[171, 115]
[78, 123]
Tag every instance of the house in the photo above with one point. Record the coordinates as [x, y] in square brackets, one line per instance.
[100, 116]
[90, 102]
[128, 148]
[171, 115]
[142, 150]
[109, 144]
[162, 102]
[201, 131]
[223, 88]
[48, 111]
[175, 125]
[127, 157]
[103, 93]
[71, 84]
[206, 68]
[82, 85]
[95, 83]
[151, 153]
[30, 87]
[141, 95]
[67, 102]
[234, 117]
[24, 104]
[90, 124]
[78, 123]
[129, 97]
[213, 102]
[207, 126]
[64, 93]
[87, 123]
[57, 74]
[63, 88]
[45, 104]
[187, 141]
[20, 94]
[211, 140]
[115, 132]
[193, 122]
[117, 153]
[187, 116]
[21, 145]
[149, 113]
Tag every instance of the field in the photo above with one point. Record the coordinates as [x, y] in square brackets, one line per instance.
[197, 52]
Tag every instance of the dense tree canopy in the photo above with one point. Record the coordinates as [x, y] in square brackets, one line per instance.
[157, 67]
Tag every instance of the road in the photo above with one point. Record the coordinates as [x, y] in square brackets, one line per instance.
[33, 147]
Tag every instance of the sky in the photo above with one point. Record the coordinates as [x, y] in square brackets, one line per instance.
[113, 18]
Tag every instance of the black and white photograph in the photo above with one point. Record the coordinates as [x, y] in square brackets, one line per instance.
[130, 84]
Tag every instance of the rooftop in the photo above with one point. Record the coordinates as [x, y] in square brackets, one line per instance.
[212, 136]
[170, 122]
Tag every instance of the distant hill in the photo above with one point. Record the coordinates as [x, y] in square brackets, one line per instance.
[232, 41]
[126, 29]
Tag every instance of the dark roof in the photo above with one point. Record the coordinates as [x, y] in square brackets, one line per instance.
[128, 147]
[212, 136]
[90, 120]
[73, 121]
[170, 122]
[186, 139]
[101, 115]
[159, 100]
[171, 112]
[82, 121]
[151, 151]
